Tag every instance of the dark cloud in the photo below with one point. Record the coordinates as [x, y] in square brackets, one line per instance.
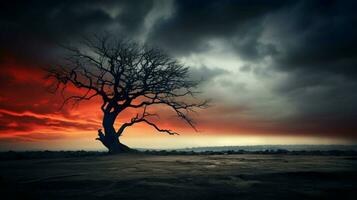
[193, 23]
[312, 43]
[317, 36]
[33, 29]
[245, 68]
[316, 42]
[321, 95]
[205, 74]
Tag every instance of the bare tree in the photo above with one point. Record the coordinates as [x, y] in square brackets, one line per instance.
[126, 75]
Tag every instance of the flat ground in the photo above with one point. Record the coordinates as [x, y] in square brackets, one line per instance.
[247, 176]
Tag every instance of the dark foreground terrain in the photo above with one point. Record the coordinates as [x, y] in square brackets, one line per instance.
[142, 176]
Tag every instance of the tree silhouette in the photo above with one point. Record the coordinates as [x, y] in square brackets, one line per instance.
[126, 75]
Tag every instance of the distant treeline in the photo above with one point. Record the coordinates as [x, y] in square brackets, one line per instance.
[13, 155]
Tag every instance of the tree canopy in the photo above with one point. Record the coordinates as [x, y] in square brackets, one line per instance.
[126, 74]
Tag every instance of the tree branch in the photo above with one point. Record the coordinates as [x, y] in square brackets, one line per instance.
[122, 72]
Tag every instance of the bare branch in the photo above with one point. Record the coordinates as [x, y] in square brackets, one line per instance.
[143, 118]
[126, 74]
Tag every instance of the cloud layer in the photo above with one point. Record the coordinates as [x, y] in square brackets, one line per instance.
[270, 67]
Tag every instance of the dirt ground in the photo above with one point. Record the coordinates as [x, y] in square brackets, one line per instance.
[247, 176]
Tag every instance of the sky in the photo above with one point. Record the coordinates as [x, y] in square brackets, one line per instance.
[277, 72]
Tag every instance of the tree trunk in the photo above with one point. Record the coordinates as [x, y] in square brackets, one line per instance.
[110, 138]
[116, 147]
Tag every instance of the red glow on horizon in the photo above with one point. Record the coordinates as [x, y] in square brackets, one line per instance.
[28, 112]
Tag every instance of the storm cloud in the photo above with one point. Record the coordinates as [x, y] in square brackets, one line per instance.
[290, 64]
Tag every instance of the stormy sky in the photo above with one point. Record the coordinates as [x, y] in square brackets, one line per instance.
[280, 68]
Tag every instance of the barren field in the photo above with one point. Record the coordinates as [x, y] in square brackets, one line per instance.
[247, 176]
